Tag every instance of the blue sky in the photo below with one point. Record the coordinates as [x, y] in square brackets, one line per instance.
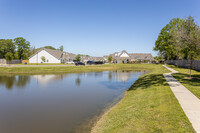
[94, 27]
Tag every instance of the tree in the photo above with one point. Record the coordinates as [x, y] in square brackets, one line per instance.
[78, 58]
[43, 59]
[9, 56]
[49, 47]
[158, 58]
[6, 45]
[110, 58]
[190, 40]
[23, 47]
[61, 48]
[166, 42]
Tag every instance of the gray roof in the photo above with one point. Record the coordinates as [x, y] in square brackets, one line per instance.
[55, 53]
[142, 56]
[67, 55]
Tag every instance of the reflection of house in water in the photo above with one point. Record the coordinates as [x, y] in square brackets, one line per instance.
[120, 75]
[45, 79]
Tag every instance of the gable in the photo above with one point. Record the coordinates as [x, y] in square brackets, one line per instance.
[124, 55]
[44, 53]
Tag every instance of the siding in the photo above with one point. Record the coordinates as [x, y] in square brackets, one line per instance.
[37, 58]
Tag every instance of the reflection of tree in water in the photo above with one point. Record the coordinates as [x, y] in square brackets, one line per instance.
[11, 80]
[22, 81]
[98, 74]
[110, 75]
[78, 81]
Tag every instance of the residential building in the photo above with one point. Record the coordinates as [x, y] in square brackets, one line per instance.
[51, 56]
[125, 57]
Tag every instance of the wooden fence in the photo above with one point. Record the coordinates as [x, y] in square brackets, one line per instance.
[185, 63]
[3, 61]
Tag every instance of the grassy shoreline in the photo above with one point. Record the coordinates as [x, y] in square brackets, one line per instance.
[148, 106]
[72, 69]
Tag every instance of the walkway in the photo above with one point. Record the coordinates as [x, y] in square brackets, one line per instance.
[188, 101]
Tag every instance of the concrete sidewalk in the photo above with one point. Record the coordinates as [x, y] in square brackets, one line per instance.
[188, 101]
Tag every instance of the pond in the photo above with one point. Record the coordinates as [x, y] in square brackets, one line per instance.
[59, 103]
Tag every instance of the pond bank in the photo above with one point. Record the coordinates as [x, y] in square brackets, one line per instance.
[73, 69]
[148, 106]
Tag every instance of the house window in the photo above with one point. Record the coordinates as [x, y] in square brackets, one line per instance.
[47, 60]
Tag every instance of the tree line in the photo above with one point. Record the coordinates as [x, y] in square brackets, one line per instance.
[180, 39]
[19, 48]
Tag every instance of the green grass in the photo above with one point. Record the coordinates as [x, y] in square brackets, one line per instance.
[149, 106]
[73, 69]
[192, 84]
[43, 64]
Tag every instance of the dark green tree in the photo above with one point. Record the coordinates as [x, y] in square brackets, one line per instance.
[78, 57]
[6, 45]
[43, 59]
[23, 47]
[61, 48]
[9, 56]
[49, 47]
[110, 58]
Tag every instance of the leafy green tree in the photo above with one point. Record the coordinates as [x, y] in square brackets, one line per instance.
[49, 47]
[167, 40]
[16, 55]
[6, 45]
[61, 48]
[43, 59]
[158, 58]
[110, 58]
[78, 57]
[9, 56]
[190, 40]
[23, 47]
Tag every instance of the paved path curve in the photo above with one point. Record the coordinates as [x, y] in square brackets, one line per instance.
[188, 101]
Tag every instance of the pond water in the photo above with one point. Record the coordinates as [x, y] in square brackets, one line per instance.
[58, 103]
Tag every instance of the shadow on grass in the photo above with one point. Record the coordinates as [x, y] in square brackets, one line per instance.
[194, 81]
[148, 81]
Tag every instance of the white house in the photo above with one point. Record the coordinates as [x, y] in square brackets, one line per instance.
[51, 56]
[125, 57]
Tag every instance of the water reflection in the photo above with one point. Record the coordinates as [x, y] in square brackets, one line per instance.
[11, 80]
[45, 79]
[22, 80]
[78, 81]
[58, 103]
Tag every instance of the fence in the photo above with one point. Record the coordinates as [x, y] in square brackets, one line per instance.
[185, 63]
[2, 61]
[14, 62]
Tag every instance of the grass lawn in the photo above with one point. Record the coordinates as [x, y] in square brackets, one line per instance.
[73, 69]
[43, 64]
[148, 106]
[192, 84]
